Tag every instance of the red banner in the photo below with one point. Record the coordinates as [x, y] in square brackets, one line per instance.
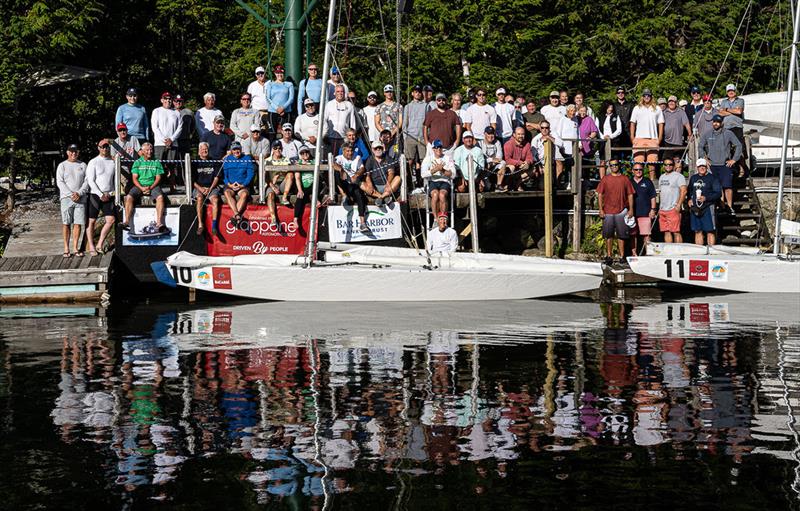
[255, 234]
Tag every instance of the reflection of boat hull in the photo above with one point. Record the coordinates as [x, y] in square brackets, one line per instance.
[334, 283]
[762, 273]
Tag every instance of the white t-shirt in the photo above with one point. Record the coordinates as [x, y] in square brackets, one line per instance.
[552, 114]
[338, 117]
[439, 241]
[505, 118]
[568, 132]
[350, 166]
[647, 121]
[100, 175]
[258, 95]
[480, 117]
[374, 133]
[670, 184]
[291, 149]
[306, 126]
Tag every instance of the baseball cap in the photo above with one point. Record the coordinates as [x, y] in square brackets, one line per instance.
[278, 69]
[131, 91]
[729, 87]
[287, 126]
[255, 127]
[647, 92]
[630, 221]
[554, 93]
[620, 89]
[102, 142]
[122, 126]
[415, 88]
[334, 70]
[372, 93]
[467, 133]
[701, 162]
[437, 144]
[388, 88]
[661, 101]
[308, 101]
[304, 149]
[442, 214]
[694, 89]
[717, 118]
[441, 95]
[489, 129]
[219, 118]
[177, 97]
[277, 143]
[236, 145]
[377, 143]
[428, 88]
[73, 147]
[260, 69]
[672, 98]
[500, 91]
[166, 95]
[706, 97]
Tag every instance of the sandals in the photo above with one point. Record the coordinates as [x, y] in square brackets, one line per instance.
[94, 253]
[78, 254]
[66, 255]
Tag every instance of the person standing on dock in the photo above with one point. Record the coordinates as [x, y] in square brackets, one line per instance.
[257, 95]
[100, 177]
[732, 111]
[672, 193]
[624, 110]
[244, 117]
[442, 123]
[167, 124]
[723, 150]
[373, 133]
[480, 115]
[204, 117]
[615, 202]
[133, 115]
[187, 126]
[442, 239]
[505, 115]
[647, 131]
[72, 191]
[280, 99]
[415, 146]
[704, 191]
[146, 173]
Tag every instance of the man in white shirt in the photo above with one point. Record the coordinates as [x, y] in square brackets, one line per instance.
[369, 112]
[480, 115]
[100, 175]
[442, 239]
[505, 116]
[167, 124]
[553, 112]
[244, 117]
[439, 169]
[258, 94]
[306, 125]
[537, 147]
[204, 117]
[291, 146]
[339, 116]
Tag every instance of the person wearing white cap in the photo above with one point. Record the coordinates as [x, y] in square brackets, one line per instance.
[256, 90]
[505, 116]
[373, 133]
[480, 115]
[256, 144]
[704, 192]
[291, 146]
[305, 126]
[732, 111]
[389, 114]
[552, 112]
[382, 175]
[461, 156]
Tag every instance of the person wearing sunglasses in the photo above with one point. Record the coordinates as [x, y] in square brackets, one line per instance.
[480, 115]
[100, 177]
[244, 117]
[133, 115]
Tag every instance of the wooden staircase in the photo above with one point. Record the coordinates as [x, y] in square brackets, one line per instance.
[747, 226]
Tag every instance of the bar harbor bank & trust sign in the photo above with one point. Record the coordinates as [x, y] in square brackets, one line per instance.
[384, 223]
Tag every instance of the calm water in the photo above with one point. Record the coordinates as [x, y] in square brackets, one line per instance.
[566, 404]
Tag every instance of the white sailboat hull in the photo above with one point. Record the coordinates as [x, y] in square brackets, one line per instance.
[367, 282]
[757, 273]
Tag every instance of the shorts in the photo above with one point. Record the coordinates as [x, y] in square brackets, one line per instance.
[644, 145]
[439, 185]
[216, 191]
[614, 226]
[669, 220]
[414, 149]
[724, 175]
[705, 222]
[73, 212]
[166, 153]
[242, 189]
[96, 206]
[645, 225]
[137, 194]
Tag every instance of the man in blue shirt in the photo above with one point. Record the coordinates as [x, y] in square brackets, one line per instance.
[311, 88]
[238, 171]
[644, 207]
[134, 116]
[704, 191]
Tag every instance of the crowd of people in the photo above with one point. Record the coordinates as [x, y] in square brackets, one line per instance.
[450, 144]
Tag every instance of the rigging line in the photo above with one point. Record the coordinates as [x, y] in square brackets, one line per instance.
[744, 43]
[279, 35]
[385, 40]
[758, 51]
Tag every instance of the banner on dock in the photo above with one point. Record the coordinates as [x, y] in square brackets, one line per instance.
[256, 234]
[384, 223]
[144, 231]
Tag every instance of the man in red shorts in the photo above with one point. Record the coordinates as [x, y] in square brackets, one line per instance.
[672, 190]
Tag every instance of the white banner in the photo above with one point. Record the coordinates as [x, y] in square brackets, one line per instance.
[143, 229]
[384, 223]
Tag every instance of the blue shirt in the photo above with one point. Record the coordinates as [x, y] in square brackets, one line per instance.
[359, 149]
[279, 94]
[135, 118]
[309, 89]
[238, 170]
[643, 191]
[709, 188]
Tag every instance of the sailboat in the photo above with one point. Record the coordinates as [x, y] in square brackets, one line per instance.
[734, 269]
[376, 274]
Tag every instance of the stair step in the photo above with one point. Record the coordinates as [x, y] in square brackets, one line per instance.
[746, 241]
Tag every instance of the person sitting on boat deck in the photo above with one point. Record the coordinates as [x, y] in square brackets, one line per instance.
[304, 181]
[672, 193]
[291, 146]
[305, 126]
[519, 160]
[206, 177]
[205, 117]
[219, 143]
[467, 171]
[383, 179]
[537, 147]
[256, 144]
[442, 238]
[492, 149]
[359, 147]
[439, 169]
[704, 191]
[237, 172]
[339, 115]
[72, 190]
[615, 199]
[715, 147]
[146, 176]
[276, 180]
[133, 115]
[644, 208]
[100, 175]
[349, 179]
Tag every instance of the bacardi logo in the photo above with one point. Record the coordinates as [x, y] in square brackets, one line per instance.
[222, 278]
[698, 270]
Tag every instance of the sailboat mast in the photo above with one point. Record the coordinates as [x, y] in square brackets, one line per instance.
[323, 99]
[785, 141]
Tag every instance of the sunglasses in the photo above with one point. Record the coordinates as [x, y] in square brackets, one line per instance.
[480, 94]
[669, 164]
[104, 146]
[122, 130]
[544, 127]
[178, 100]
[635, 169]
[613, 164]
[245, 99]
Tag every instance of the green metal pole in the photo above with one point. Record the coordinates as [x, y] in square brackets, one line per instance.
[294, 44]
[307, 25]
